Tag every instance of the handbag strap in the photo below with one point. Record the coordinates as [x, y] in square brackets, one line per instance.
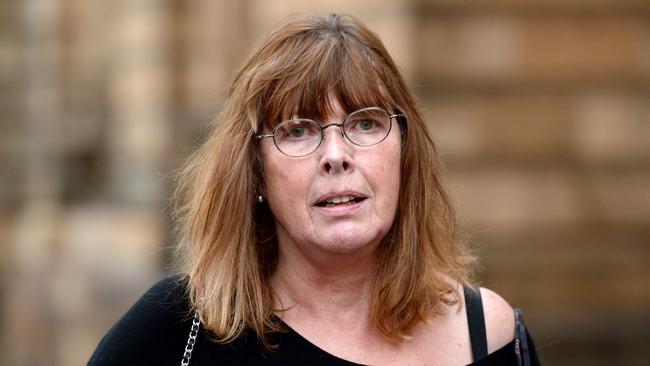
[522, 348]
[476, 322]
[191, 339]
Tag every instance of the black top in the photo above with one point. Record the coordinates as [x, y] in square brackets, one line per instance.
[156, 329]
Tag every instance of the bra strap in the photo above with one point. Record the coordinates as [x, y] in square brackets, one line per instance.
[476, 322]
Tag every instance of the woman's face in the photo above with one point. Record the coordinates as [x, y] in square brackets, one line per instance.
[307, 194]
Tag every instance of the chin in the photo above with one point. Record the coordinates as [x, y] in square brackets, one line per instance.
[342, 243]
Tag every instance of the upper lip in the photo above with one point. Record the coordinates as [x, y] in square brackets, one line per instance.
[339, 194]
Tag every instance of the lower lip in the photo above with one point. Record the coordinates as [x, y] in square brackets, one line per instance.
[341, 209]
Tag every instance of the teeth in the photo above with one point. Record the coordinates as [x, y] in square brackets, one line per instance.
[340, 199]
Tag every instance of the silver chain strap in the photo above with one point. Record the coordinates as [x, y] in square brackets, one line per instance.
[191, 339]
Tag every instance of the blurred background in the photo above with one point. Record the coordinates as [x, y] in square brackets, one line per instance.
[541, 110]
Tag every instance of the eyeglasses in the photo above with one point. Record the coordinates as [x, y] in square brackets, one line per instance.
[300, 137]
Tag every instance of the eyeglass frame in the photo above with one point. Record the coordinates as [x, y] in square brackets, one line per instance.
[339, 125]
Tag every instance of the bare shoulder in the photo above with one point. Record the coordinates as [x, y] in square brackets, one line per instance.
[499, 320]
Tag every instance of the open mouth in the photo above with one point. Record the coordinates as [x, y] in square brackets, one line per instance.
[339, 201]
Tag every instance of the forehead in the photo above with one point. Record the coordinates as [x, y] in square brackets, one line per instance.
[334, 106]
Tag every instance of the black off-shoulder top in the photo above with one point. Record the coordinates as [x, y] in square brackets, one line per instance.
[155, 332]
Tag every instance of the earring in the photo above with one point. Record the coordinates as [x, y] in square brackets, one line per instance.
[260, 199]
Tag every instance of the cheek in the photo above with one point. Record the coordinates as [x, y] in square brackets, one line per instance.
[384, 170]
[392, 183]
[392, 159]
[285, 189]
[274, 176]
[276, 183]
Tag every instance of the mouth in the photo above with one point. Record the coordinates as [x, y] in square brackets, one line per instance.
[339, 201]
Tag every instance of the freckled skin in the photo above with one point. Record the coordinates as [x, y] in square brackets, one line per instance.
[293, 185]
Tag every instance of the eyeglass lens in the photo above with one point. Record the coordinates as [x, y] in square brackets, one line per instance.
[365, 127]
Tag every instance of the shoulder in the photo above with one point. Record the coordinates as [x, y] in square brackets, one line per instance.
[157, 320]
[499, 320]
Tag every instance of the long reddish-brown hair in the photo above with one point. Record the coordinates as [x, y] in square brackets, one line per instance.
[227, 243]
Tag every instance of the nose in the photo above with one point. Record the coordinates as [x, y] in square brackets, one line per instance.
[335, 155]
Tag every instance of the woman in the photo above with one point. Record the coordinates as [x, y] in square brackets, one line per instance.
[315, 229]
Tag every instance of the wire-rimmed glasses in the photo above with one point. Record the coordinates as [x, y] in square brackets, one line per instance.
[301, 136]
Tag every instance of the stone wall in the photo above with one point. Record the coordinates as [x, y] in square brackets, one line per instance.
[543, 112]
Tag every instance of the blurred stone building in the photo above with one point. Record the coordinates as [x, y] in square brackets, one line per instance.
[540, 109]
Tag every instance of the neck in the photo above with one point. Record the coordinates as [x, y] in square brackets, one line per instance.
[325, 286]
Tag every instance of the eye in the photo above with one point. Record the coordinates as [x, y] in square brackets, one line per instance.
[366, 124]
[297, 132]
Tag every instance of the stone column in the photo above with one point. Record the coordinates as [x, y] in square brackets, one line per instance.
[32, 241]
[139, 101]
